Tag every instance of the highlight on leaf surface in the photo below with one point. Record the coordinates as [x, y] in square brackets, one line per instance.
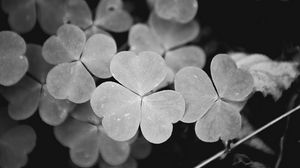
[30, 93]
[181, 11]
[13, 63]
[270, 77]
[214, 109]
[16, 142]
[74, 58]
[169, 39]
[124, 108]
[86, 138]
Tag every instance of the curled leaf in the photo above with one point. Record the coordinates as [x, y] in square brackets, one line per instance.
[270, 77]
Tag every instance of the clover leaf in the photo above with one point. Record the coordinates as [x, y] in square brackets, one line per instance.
[16, 141]
[168, 38]
[181, 11]
[84, 135]
[75, 58]
[214, 106]
[13, 63]
[125, 107]
[31, 93]
[109, 16]
[23, 14]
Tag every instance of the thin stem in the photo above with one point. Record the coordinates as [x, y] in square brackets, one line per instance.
[219, 154]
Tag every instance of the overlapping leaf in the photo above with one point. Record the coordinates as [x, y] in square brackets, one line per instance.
[215, 109]
[16, 142]
[270, 77]
[23, 14]
[30, 93]
[181, 11]
[13, 63]
[109, 16]
[168, 38]
[85, 137]
[74, 56]
[124, 108]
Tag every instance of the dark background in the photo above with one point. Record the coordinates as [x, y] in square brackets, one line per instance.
[252, 26]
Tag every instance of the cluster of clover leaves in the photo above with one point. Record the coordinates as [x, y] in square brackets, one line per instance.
[158, 82]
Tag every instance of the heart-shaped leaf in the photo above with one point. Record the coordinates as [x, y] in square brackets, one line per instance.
[222, 121]
[197, 90]
[185, 56]
[113, 152]
[142, 38]
[70, 81]
[111, 16]
[173, 34]
[72, 130]
[85, 151]
[231, 83]
[159, 111]
[181, 11]
[50, 14]
[16, 144]
[53, 111]
[98, 53]
[21, 14]
[66, 46]
[140, 73]
[13, 63]
[77, 12]
[120, 109]
[23, 98]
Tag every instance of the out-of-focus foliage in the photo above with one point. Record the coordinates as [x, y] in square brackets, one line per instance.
[214, 106]
[140, 149]
[75, 57]
[255, 142]
[125, 107]
[84, 135]
[16, 141]
[242, 160]
[22, 15]
[31, 94]
[109, 16]
[270, 77]
[181, 11]
[13, 63]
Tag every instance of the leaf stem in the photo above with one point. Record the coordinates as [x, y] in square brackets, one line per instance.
[219, 154]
